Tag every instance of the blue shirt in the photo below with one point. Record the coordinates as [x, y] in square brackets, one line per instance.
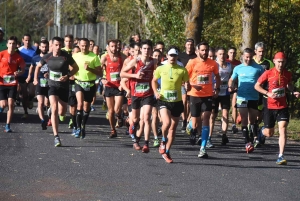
[247, 76]
[44, 69]
[27, 55]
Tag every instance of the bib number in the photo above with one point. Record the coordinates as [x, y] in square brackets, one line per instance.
[73, 87]
[280, 92]
[241, 103]
[115, 76]
[55, 75]
[142, 87]
[170, 95]
[203, 79]
[43, 82]
[224, 85]
[9, 79]
[85, 85]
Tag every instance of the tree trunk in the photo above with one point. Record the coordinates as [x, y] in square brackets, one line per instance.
[250, 19]
[194, 21]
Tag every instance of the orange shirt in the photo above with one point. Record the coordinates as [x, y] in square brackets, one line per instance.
[8, 65]
[201, 74]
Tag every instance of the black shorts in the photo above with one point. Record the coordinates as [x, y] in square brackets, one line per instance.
[176, 108]
[125, 100]
[72, 101]
[225, 103]
[271, 116]
[253, 104]
[111, 91]
[62, 93]
[129, 108]
[43, 91]
[88, 95]
[8, 92]
[200, 104]
[22, 80]
[138, 102]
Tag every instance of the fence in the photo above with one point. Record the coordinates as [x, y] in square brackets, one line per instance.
[99, 32]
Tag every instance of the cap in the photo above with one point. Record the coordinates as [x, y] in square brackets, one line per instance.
[173, 51]
[1, 29]
[279, 55]
[189, 40]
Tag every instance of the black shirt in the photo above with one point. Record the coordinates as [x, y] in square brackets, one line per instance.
[58, 66]
[184, 57]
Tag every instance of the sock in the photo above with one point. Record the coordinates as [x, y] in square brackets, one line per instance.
[204, 135]
[163, 139]
[137, 139]
[280, 155]
[245, 133]
[147, 142]
[132, 136]
[42, 120]
[73, 117]
[155, 137]
[209, 137]
[85, 118]
[167, 151]
[233, 125]
[79, 118]
[1, 109]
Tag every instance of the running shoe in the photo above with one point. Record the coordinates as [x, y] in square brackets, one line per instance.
[92, 108]
[57, 142]
[44, 125]
[25, 116]
[167, 157]
[119, 123]
[202, 153]
[234, 129]
[183, 128]
[113, 134]
[145, 149]
[82, 136]
[261, 137]
[36, 110]
[49, 123]
[49, 112]
[156, 143]
[249, 147]
[62, 118]
[18, 102]
[104, 106]
[256, 144]
[74, 131]
[136, 146]
[7, 128]
[188, 129]
[30, 105]
[209, 144]
[106, 115]
[162, 147]
[224, 140]
[70, 124]
[281, 161]
[77, 133]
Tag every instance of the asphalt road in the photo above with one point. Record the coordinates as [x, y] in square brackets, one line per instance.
[98, 168]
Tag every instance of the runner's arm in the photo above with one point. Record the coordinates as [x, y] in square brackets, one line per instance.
[96, 71]
[31, 70]
[36, 72]
[154, 85]
[124, 86]
[128, 67]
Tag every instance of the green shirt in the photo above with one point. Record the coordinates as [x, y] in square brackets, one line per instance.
[93, 62]
[3, 45]
[171, 81]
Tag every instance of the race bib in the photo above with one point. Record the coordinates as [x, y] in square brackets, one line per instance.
[73, 87]
[55, 75]
[170, 95]
[224, 85]
[115, 76]
[280, 92]
[9, 79]
[85, 85]
[142, 87]
[44, 82]
[241, 103]
[203, 79]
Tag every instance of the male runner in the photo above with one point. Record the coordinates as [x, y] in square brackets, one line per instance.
[10, 61]
[278, 79]
[85, 87]
[247, 74]
[225, 71]
[161, 46]
[169, 99]
[27, 88]
[200, 72]
[141, 91]
[42, 87]
[234, 63]
[91, 45]
[59, 63]
[68, 42]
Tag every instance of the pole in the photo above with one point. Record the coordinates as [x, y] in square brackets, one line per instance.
[58, 7]
[5, 21]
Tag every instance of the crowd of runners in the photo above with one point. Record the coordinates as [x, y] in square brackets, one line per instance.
[147, 87]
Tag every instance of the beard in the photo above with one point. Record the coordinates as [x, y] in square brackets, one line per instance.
[45, 52]
[203, 56]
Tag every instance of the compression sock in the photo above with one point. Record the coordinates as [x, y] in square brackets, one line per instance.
[85, 118]
[245, 134]
[79, 118]
[204, 137]
[73, 117]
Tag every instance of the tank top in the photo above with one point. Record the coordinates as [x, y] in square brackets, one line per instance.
[113, 70]
[225, 74]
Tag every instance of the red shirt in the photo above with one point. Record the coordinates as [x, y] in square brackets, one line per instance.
[113, 70]
[234, 63]
[8, 65]
[142, 87]
[277, 84]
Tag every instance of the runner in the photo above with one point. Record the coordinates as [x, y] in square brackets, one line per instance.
[234, 63]
[141, 91]
[278, 79]
[212, 53]
[25, 81]
[247, 74]
[161, 46]
[169, 99]
[3, 43]
[59, 63]
[91, 46]
[112, 63]
[10, 61]
[85, 87]
[200, 72]
[68, 41]
[42, 87]
[225, 71]
[184, 57]
[96, 51]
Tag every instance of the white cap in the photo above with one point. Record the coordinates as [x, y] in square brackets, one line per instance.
[1, 29]
[173, 51]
